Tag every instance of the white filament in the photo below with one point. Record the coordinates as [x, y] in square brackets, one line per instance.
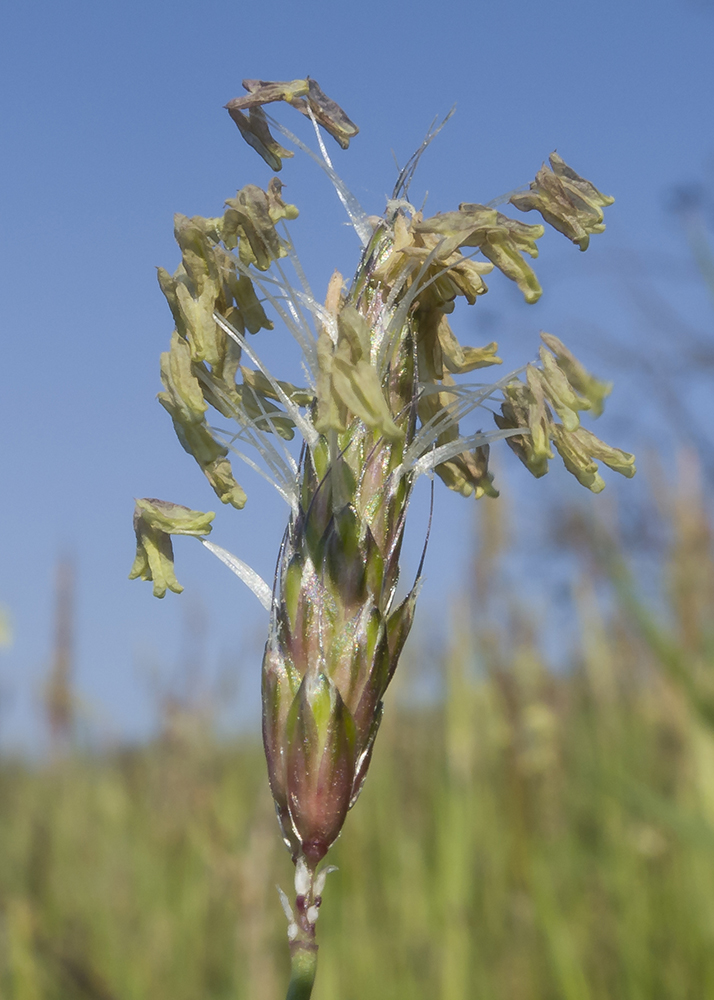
[301, 422]
[446, 451]
[244, 572]
[357, 215]
[464, 402]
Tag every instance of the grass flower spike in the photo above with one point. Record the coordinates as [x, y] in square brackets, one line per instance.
[385, 402]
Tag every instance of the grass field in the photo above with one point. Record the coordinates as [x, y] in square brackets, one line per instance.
[533, 835]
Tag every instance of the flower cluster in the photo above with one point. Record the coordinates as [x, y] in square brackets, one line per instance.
[383, 405]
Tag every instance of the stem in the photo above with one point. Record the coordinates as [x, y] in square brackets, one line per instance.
[303, 966]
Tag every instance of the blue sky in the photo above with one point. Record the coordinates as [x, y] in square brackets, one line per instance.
[112, 120]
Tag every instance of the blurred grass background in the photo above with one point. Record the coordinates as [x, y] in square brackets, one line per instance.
[532, 833]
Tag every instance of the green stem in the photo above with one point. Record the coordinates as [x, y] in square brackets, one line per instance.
[303, 966]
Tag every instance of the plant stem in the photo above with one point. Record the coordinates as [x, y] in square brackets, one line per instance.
[303, 966]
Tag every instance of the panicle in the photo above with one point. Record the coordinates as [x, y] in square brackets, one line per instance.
[382, 406]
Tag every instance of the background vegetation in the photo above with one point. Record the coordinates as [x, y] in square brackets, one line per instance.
[532, 833]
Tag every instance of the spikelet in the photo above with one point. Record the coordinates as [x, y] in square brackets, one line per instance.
[335, 631]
